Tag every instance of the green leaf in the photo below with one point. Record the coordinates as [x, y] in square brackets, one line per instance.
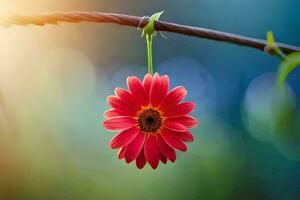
[149, 28]
[290, 62]
[272, 48]
[270, 39]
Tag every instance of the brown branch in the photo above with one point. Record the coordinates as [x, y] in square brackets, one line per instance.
[99, 17]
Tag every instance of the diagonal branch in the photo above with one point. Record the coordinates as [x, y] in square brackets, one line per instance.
[128, 20]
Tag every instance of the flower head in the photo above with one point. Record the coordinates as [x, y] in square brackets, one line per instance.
[152, 120]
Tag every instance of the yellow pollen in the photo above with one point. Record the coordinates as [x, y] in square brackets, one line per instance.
[149, 119]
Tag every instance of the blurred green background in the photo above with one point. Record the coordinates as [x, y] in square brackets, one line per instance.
[54, 81]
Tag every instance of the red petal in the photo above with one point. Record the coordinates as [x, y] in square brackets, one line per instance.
[174, 126]
[173, 140]
[188, 121]
[159, 89]
[163, 158]
[186, 136]
[152, 152]
[134, 147]
[119, 105]
[137, 89]
[165, 85]
[123, 94]
[122, 152]
[165, 149]
[119, 123]
[180, 110]
[176, 95]
[124, 138]
[155, 90]
[127, 98]
[141, 160]
[147, 84]
[111, 113]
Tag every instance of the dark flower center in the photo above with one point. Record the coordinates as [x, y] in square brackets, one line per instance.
[149, 120]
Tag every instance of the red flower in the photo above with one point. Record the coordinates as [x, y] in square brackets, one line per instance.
[152, 120]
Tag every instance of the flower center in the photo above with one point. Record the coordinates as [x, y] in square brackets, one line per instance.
[149, 120]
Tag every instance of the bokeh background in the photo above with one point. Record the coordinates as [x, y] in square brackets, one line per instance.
[54, 81]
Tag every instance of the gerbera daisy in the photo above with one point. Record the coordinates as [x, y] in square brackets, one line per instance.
[152, 120]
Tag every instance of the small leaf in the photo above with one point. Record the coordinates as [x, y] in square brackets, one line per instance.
[149, 28]
[270, 39]
[290, 62]
[272, 48]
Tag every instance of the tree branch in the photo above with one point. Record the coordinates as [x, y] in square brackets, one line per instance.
[128, 20]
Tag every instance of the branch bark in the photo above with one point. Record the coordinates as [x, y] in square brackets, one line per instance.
[135, 21]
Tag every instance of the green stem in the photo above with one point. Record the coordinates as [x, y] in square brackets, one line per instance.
[149, 52]
[280, 54]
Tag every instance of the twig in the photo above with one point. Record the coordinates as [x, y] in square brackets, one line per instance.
[128, 20]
